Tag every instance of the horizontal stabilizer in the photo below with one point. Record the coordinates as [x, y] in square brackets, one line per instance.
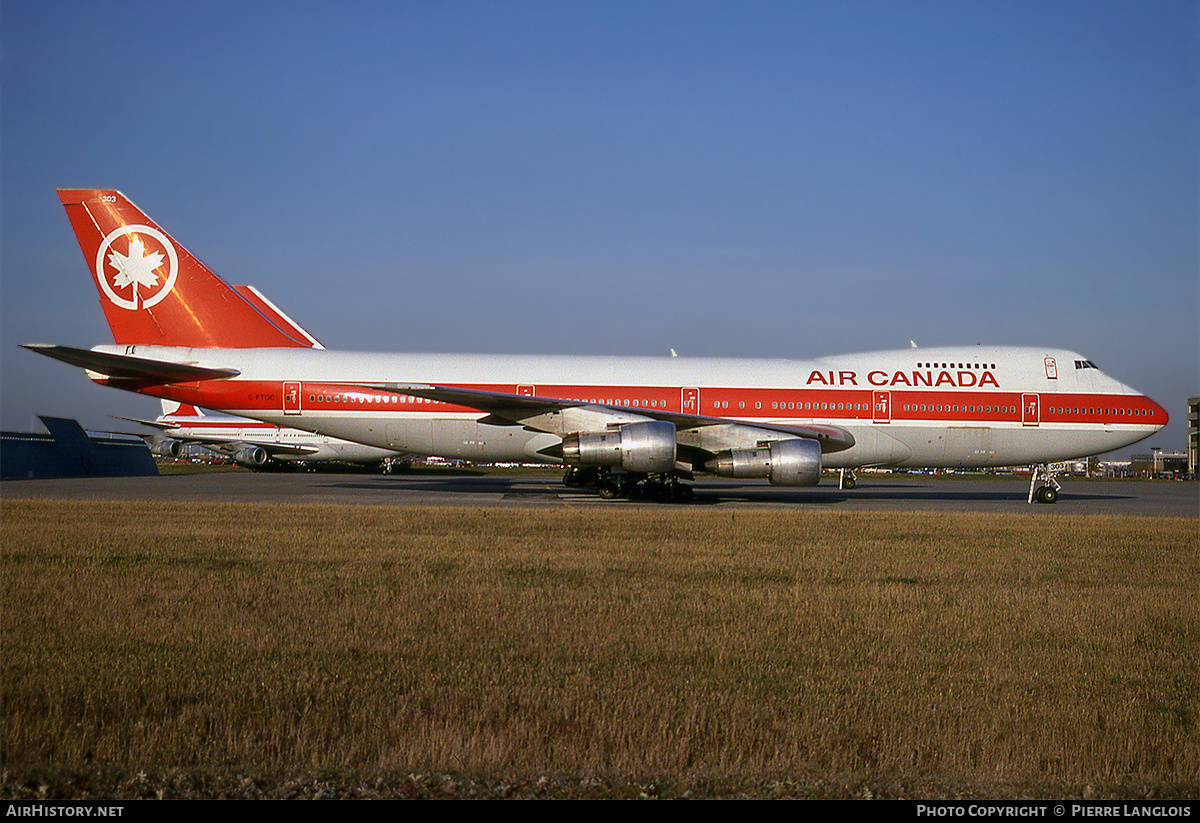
[127, 367]
[152, 423]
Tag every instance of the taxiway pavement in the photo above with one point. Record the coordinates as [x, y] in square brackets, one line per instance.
[879, 493]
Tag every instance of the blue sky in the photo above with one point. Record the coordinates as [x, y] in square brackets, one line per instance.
[763, 179]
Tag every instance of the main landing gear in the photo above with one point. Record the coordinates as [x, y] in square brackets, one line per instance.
[613, 485]
[1047, 492]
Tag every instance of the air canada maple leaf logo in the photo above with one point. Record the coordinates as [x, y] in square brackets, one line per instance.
[136, 266]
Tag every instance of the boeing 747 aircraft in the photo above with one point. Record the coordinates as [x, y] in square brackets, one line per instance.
[627, 425]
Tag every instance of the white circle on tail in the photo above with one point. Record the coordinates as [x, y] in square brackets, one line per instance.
[136, 267]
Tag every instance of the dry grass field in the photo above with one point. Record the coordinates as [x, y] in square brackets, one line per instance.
[239, 650]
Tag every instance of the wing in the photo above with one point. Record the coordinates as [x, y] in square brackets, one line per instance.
[169, 445]
[232, 447]
[562, 417]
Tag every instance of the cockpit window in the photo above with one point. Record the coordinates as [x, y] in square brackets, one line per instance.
[1084, 364]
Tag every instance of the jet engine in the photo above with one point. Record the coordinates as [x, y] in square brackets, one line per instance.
[252, 457]
[784, 462]
[646, 448]
[164, 446]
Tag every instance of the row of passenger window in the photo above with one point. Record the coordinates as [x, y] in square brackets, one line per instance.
[365, 398]
[952, 407]
[820, 406]
[635, 403]
[953, 366]
[1115, 412]
[724, 404]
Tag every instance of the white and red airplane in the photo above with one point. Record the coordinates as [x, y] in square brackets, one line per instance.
[626, 424]
[251, 443]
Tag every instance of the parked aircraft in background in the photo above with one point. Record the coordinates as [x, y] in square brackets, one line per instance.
[628, 425]
[251, 443]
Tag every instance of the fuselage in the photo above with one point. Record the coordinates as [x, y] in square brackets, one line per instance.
[970, 406]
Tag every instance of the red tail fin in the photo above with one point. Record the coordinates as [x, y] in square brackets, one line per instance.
[152, 290]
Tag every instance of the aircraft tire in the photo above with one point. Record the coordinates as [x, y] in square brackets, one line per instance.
[1047, 494]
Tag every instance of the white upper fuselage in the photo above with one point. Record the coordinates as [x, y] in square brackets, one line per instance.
[944, 407]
